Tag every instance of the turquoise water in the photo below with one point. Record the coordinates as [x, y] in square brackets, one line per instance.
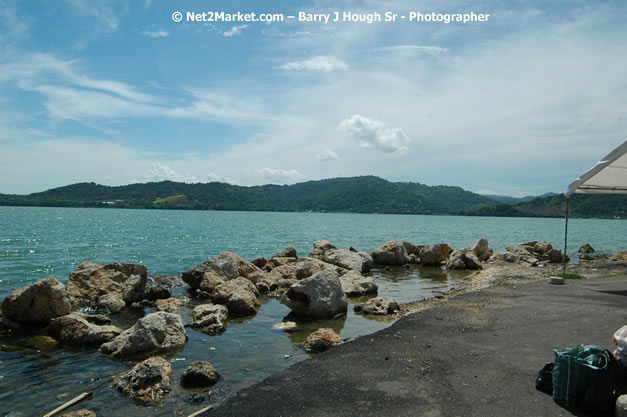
[36, 242]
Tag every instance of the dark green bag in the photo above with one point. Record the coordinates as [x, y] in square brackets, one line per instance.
[573, 373]
[606, 386]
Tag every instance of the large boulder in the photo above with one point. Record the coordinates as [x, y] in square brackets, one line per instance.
[354, 284]
[463, 259]
[239, 295]
[74, 329]
[210, 318]
[156, 332]
[319, 296]
[320, 247]
[300, 269]
[289, 252]
[199, 374]
[228, 265]
[321, 340]
[391, 253]
[356, 261]
[37, 303]
[122, 283]
[378, 306]
[434, 255]
[148, 382]
[481, 249]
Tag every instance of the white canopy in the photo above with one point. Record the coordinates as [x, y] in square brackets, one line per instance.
[608, 176]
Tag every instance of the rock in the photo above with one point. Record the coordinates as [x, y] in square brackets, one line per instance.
[41, 342]
[463, 259]
[434, 255]
[542, 248]
[226, 264]
[7, 325]
[156, 332]
[300, 269]
[321, 340]
[620, 410]
[80, 413]
[240, 296]
[318, 296]
[286, 326]
[619, 256]
[412, 249]
[75, 330]
[165, 281]
[391, 253]
[37, 303]
[257, 276]
[112, 302]
[259, 262]
[586, 249]
[378, 306]
[471, 260]
[90, 281]
[170, 305]
[210, 281]
[199, 374]
[289, 252]
[147, 382]
[98, 319]
[354, 284]
[157, 292]
[554, 256]
[210, 318]
[481, 249]
[320, 247]
[356, 261]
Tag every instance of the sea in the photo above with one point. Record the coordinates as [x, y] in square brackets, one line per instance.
[36, 376]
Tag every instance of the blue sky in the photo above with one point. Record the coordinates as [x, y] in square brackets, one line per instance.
[116, 92]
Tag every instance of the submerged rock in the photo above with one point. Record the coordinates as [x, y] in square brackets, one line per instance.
[321, 340]
[170, 305]
[391, 253]
[74, 329]
[286, 326]
[318, 296]
[148, 382]
[378, 306]
[354, 284]
[210, 318]
[156, 332]
[228, 265]
[37, 303]
[199, 374]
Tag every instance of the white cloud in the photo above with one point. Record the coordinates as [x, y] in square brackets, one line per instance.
[100, 9]
[156, 34]
[414, 49]
[212, 177]
[162, 172]
[317, 63]
[281, 176]
[375, 134]
[235, 30]
[327, 155]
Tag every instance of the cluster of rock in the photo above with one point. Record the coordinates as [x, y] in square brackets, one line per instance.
[533, 253]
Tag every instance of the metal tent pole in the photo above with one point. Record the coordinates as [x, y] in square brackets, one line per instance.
[564, 258]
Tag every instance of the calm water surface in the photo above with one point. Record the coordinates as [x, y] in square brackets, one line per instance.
[36, 242]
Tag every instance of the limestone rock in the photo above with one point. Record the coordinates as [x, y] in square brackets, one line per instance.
[156, 332]
[391, 253]
[80, 413]
[586, 249]
[289, 252]
[239, 295]
[226, 264]
[356, 261]
[286, 326]
[111, 302]
[481, 249]
[542, 248]
[300, 269]
[37, 303]
[170, 305]
[210, 281]
[157, 292]
[378, 306]
[463, 259]
[210, 318]
[320, 247]
[619, 256]
[434, 255]
[90, 281]
[318, 296]
[354, 284]
[148, 382]
[74, 329]
[321, 340]
[199, 374]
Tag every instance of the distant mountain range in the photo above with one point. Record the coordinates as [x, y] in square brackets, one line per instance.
[367, 194]
[514, 200]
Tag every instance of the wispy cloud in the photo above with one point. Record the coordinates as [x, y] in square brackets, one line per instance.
[414, 49]
[156, 34]
[100, 9]
[235, 30]
[375, 134]
[317, 64]
[327, 155]
[281, 176]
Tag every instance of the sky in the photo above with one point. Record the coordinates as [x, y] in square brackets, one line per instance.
[118, 92]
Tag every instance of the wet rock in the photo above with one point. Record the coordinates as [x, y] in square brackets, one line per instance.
[112, 302]
[318, 296]
[170, 305]
[74, 329]
[463, 259]
[90, 281]
[37, 303]
[157, 292]
[320, 247]
[259, 262]
[434, 255]
[210, 318]
[148, 382]
[354, 284]
[378, 306]
[391, 253]
[356, 261]
[481, 249]
[210, 281]
[199, 374]
[226, 264]
[586, 249]
[166, 281]
[412, 249]
[7, 325]
[98, 319]
[239, 295]
[286, 326]
[289, 252]
[80, 413]
[156, 332]
[321, 340]
[41, 342]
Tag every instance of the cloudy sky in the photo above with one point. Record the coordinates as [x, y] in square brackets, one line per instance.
[116, 92]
